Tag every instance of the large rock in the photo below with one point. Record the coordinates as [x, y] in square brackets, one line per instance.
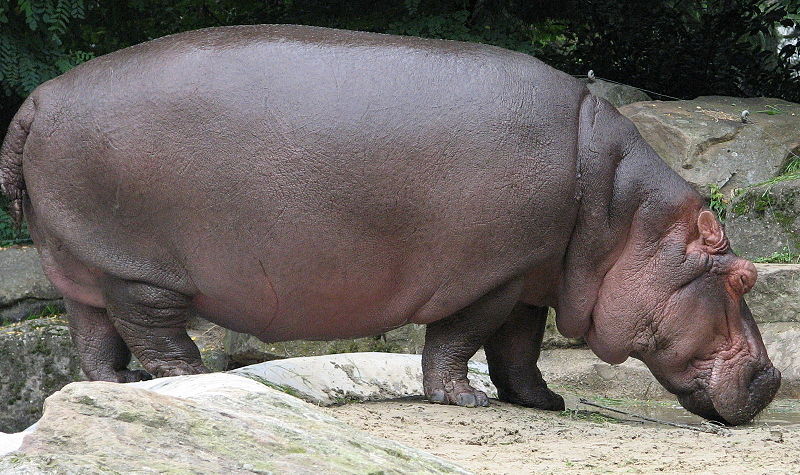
[36, 359]
[764, 220]
[349, 377]
[776, 295]
[24, 290]
[357, 377]
[216, 423]
[783, 346]
[705, 141]
[617, 94]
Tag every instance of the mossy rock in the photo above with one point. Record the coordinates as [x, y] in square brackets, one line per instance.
[765, 220]
[706, 143]
[37, 358]
[214, 423]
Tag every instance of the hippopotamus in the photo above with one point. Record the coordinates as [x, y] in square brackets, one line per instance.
[293, 182]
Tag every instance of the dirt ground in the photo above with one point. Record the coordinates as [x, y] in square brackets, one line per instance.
[507, 439]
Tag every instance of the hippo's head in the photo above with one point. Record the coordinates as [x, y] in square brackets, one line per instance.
[674, 300]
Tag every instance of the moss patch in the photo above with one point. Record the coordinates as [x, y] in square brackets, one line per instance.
[776, 204]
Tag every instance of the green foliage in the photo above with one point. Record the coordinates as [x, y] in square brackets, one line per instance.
[688, 48]
[8, 235]
[793, 166]
[47, 311]
[32, 47]
[589, 416]
[784, 257]
[718, 203]
[771, 110]
[772, 181]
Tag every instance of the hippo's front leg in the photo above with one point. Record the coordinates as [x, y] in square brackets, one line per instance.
[512, 353]
[451, 342]
[152, 321]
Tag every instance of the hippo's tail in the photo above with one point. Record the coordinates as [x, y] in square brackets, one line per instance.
[12, 182]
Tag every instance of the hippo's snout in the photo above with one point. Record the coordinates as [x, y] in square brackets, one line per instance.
[736, 409]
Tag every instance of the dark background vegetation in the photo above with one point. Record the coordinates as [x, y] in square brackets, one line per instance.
[682, 48]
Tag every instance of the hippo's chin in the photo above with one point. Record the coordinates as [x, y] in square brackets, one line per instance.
[699, 402]
[734, 409]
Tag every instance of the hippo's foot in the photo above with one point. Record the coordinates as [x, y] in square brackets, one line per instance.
[132, 375]
[512, 353]
[152, 321]
[538, 397]
[457, 392]
[451, 342]
[177, 368]
[104, 355]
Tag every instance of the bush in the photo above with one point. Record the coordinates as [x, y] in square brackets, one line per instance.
[8, 235]
[32, 48]
[688, 48]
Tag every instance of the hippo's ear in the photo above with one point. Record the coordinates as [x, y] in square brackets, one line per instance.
[711, 233]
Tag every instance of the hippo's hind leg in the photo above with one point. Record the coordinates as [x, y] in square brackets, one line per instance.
[451, 342]
[152, 321]
[104, 356]
[512, 353]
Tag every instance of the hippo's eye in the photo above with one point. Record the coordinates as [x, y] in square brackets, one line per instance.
[697, 264]
[707, 262]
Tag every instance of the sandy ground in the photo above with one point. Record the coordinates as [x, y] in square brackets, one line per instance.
[507, 439]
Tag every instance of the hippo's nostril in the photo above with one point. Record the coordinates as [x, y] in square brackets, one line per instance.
[765, 380]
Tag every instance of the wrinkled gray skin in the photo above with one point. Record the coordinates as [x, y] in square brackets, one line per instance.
[294, 182]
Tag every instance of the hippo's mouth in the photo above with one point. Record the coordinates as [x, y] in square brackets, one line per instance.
[698, 402]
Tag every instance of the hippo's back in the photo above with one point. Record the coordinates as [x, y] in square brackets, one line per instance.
[291, 170]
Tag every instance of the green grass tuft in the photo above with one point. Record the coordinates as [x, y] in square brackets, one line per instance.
[793, 167]
[718, 203]
[783, 257]
[588, 416]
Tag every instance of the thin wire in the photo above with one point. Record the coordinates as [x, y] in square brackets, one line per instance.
[712, 430]
[639, 88]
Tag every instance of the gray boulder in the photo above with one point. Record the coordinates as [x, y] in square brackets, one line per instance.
[764, 220]
[36, 359]
[617, 94]
[353, 377]
[24, 290]
[705, 141]
[581, 371]
[776, 295]
[783, 345]
[214, 423]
